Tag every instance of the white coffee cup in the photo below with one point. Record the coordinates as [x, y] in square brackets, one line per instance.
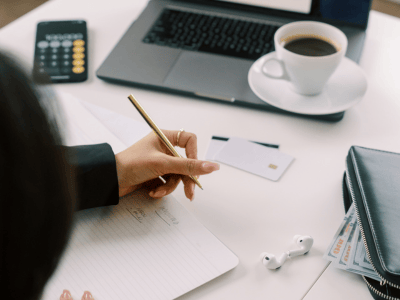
[307, 75]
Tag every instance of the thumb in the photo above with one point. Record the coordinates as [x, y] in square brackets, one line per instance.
[187, 166]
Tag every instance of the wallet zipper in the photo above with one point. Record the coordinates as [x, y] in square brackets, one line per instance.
[380, 294]
[383, 280]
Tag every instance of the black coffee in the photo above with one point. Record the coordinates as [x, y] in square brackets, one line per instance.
[310, 47]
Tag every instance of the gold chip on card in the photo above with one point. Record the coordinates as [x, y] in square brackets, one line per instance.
[272, 166]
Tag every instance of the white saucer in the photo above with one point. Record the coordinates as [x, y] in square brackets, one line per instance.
[344, 89]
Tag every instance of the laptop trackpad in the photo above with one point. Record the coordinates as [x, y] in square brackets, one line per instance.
[210, 75]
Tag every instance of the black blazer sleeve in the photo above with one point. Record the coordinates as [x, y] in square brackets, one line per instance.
[95, 171]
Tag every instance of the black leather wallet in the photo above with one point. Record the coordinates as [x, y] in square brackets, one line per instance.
[372, 183]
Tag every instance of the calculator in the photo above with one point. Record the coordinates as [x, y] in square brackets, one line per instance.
[61, 52]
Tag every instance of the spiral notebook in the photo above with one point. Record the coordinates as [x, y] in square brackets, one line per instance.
[139, 249]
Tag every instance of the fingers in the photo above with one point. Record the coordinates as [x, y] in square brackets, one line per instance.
[188, 187]
[173, 181]
[66, 295]
[190, 166]
[87, 296]
[187, 166]
[167, 188]
[187, 140]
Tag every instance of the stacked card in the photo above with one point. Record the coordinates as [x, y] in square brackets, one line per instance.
[262, 159]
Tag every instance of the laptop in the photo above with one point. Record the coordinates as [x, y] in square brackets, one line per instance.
[205, 48]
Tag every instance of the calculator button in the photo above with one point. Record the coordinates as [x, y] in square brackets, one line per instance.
[41, 64]
[43, 44]
[78, 62]
[66, 43]
[55, 44]
[65, 70]
[53, 71]
[78, 49]
[66, 63]
[78, 70]
[54, 50]
[54, 64]
[78, 36]
[78, 56]
[66, 56]
[78, 43]
[54, 57]
[66, 50]
[42, 57]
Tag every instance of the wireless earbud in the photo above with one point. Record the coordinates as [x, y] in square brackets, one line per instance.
[271, 262]
[304, 242]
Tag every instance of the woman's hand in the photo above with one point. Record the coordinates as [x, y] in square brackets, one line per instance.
[66, 295]
[143, 162]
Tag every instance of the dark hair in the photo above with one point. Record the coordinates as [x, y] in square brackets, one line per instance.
[35, 193]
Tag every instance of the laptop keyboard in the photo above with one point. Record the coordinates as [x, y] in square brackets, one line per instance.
[212, 34]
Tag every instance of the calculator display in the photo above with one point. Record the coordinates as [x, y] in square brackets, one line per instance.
[61, 51]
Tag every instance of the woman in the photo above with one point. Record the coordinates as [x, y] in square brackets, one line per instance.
[43, 183]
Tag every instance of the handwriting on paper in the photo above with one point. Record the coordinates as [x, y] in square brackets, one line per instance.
[138, 213]
[166, 216]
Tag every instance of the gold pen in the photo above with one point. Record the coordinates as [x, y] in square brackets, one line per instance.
[160, 134]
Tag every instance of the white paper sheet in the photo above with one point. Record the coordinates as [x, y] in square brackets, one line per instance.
[86, 123]
[139, 249]
[127, 130]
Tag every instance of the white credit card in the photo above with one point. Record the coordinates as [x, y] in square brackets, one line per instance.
[267, 162]
[218, 142]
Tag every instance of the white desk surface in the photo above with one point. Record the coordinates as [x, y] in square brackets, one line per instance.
[248, 213]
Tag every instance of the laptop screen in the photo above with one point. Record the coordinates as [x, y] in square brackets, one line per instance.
[348, 11]
[300, 6]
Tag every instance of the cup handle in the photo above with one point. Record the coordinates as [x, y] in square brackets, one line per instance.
[282, 65]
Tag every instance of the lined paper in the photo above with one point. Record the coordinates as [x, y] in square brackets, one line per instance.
[140, 249]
